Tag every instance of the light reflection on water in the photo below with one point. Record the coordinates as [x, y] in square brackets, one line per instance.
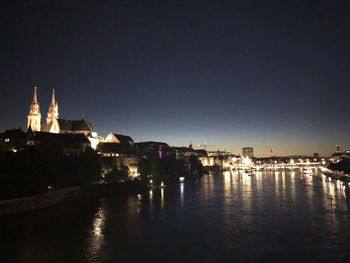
[270, 216]
[162, 198]
[97, 238]
[281, 208]
[182, 196]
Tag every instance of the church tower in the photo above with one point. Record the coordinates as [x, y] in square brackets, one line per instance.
[34, 116]
[53, 109]
[52, 116]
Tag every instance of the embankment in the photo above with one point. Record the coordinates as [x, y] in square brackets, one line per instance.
[20, 205]
[25, 204]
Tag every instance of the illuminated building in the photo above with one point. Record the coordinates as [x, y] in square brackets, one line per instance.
[57, 125]
[34, 116]
[247, 152]
[52, 124]
[12, 140]
[118, 153]
[71, 144]
[118, 138]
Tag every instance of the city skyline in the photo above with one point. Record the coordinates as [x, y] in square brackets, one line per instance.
[232, 74]
[267, 151]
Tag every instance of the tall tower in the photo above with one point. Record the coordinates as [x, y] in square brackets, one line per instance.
[53, 109]
[34, 116]
[337, 148]
[52, 116]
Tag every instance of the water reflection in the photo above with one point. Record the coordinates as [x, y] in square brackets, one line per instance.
[97, 238]
[283, 175]
[292, 189]
[151, 194]
[232, 217]
[162, 198]
[227, 178]
[258, 176]
[292, 185]
[277, 188]
[182, 196]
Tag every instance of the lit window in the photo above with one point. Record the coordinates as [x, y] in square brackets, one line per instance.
[7, 140]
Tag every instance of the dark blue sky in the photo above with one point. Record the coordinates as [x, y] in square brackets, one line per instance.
[228, 73]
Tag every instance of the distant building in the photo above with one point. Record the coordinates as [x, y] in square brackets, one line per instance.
[316, 155]
[185, 153]
[12, 140]
[337, 148]
[71, 144]
[118, 138]
[70, 126]
[34, 115]
[52, 124]
[56, 125]
[151, 146]
[118, 156]
[337, 153]
[248, 152]
[111, 149]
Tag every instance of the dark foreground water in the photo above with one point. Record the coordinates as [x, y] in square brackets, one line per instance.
[272, 216]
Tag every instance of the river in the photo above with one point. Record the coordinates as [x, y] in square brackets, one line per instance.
[269, 217]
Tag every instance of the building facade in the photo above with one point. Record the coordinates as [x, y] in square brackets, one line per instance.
[52, 124]
[34, 115]
[57, 125]
[247, 152]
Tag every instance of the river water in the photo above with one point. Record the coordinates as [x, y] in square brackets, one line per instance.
[269, 217]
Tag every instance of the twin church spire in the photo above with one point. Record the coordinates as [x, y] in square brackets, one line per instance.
[34, 116]
[35, 97]
[53, 109]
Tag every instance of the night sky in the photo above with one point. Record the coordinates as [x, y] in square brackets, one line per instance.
[228, 73]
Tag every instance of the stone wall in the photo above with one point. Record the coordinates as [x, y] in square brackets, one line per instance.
[39, 201]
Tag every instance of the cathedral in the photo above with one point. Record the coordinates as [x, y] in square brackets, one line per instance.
[34, 116]
[75, 136]
[54, 124]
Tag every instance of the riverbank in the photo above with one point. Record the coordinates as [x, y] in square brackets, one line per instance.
[25, 204]
[20, 205]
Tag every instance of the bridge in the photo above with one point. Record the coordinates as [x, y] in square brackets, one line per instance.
[272, 166]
